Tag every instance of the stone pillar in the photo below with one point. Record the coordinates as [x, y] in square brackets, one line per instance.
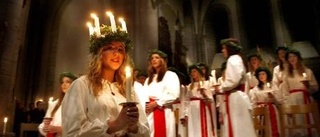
[13, 18]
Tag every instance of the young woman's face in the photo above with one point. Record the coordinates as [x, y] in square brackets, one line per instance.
[254, 61]
[224, 51]
[281, 54]
[113, 55]
[292, 59]
[156, 61]
[263, 76]
[65, 84]
[195, 74]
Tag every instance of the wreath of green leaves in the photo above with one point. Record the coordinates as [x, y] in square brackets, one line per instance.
[107, 36]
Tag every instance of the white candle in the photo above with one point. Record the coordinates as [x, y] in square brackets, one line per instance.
[304, 76]
[91, 29]
[5, 125]
[128, 83]
[123, 25]
[268, 85]
[50, 99]
[96, 24]
[214, 79]
[112, 21]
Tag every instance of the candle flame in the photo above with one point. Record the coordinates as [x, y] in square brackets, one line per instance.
[128, 71]
[304, 75]
[50, 99]
[121, 19]
[5, 120]
[93, 15]
[109, 13]
[89, 24]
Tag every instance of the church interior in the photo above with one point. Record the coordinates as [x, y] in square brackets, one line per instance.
[41, 38]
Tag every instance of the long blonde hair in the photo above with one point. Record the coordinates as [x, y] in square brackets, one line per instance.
[95, 73]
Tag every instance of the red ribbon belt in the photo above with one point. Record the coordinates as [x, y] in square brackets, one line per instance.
[159, 120]
[273, 118]
[306, 101]
[230, 130]
[203, 117]
[51, 135]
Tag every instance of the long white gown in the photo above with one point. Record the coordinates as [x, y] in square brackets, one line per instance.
[164, 93]
[237, 104]
[201, 123]
[84, 115]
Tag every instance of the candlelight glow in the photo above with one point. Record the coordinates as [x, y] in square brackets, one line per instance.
[128, 71]
[304, 75]
[50, 99]
[5, 120]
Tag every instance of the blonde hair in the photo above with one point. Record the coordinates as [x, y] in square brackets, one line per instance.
[95, 73]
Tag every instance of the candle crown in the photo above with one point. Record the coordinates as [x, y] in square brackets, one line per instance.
[107, 36]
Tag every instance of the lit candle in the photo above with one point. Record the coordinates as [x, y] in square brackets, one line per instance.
[213, 74]
[128, 83]
[91, 29]
[5, 125]
[304, 76]
[268, 85]
[112, 21]
[96, 24]
[50, 99]
[123, 25]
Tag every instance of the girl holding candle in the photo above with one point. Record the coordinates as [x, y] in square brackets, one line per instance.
[237, 103]
[266, 94]
[296, 88]
[162, 87]
[51, 124]
[201, 114]
[92, 106]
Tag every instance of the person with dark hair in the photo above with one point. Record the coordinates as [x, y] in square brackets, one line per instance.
[205, 69]
[299, 83]
[162, 87]
[279, 69]
[266, 94]
[237, 103]
[200, 111]
[51, 124]
[254, 61]
[97, 104]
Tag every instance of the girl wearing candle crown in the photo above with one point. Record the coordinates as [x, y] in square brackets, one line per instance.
[266, 94]
[237, 103]
[162, 87]
[91, 107]
[51, 125]
[201, 114]
[299, 83]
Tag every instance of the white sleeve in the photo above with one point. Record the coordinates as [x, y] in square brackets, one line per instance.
[314, 87]
[74, 113]
[234, 73]
[171, 90]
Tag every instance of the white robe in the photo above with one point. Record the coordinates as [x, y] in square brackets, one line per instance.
[259, 98]
[296, 98]
[277, 77]
[56, 119]
[239, 101]
[193, 111]
[164, 92]
[85, 115]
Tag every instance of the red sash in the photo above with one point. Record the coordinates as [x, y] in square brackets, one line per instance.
[51, 135]
[307, 100]
[230, 130]
[159, 120]
[203, 116]
[273, 118]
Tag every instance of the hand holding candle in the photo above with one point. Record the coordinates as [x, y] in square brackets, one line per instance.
[128, 84]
